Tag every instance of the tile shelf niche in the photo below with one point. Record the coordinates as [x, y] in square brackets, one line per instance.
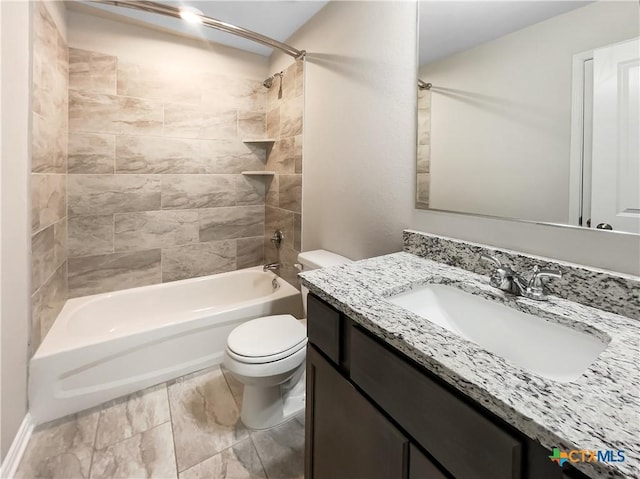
[259, 173]
[266, 141]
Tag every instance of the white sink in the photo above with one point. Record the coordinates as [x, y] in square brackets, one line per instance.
[535, 344]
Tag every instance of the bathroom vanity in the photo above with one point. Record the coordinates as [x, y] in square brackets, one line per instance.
[392, 395]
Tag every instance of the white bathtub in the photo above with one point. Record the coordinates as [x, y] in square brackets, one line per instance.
[108, 345]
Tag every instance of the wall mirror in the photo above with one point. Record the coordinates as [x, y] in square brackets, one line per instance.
[529, 110]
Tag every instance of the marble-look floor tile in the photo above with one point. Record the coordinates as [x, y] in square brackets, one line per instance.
[240, 461]
[201, 259]
[60, 449]
[236, 387]
[148, 454]
[205, 417]
[281, 450]
[126, 417]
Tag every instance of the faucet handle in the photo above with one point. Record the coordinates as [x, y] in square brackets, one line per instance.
[535, 287]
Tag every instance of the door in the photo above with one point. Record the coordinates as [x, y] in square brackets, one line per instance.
[616, 145]
[347, 437]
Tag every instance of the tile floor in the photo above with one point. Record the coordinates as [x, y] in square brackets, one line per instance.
[188, 428]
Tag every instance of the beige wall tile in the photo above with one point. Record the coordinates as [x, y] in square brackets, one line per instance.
[92, 71]
[250, 190]
[297, 232]
[47, 302]
[91, 153]
[48, 199]
[42, 263]
[49, 146]
[249, 252]
[142, 154]
[107, 194]
[231, 222]
[251, 124]
[222, 92]
[90, 235]
[273, 123]
[290, 192]
[186, 121]
[96, 112]
[198, 191]
[291, 117]
[159, 82]
[232, 156]
[422, 193]
[282, 157]
[297, 154]
[200, 259]
[154, 229]
[271, 198]
[279, 219]
[111, 272]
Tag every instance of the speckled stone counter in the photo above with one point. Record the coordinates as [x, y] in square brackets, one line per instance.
[598, 411]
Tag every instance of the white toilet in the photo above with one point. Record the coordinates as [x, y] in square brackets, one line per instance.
[267, 355]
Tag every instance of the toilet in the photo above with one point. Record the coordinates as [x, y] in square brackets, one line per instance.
[267, 355]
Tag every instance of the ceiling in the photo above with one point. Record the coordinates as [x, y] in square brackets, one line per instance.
[276, 19]
[448, 27]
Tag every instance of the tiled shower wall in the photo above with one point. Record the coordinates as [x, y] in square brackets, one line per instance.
[155, 192]
[423, 170]
[284, 192]
[48, 174]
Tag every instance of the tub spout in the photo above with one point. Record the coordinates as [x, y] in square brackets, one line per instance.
[271, 267]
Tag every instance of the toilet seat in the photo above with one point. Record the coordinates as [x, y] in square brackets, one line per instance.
[266, 339]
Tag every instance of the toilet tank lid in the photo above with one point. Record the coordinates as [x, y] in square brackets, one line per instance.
[321, 258]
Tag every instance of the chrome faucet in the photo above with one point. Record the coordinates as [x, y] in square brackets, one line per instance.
[271, 267]
[506, 279]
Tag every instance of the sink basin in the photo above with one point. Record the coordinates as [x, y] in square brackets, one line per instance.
[534, 343]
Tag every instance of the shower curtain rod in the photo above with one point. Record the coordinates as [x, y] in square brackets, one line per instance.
[424, 86]
[170, 11]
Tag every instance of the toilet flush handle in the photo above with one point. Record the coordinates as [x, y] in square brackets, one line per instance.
[299, 267]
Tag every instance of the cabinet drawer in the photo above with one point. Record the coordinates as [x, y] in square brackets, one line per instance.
[461, 439]
[421, 467]
[323, 327]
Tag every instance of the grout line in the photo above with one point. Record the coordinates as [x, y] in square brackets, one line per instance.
[173, 435]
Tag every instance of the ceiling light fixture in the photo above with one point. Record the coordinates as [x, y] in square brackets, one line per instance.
[191, 15]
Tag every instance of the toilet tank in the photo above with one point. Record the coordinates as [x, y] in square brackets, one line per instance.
[319, 258]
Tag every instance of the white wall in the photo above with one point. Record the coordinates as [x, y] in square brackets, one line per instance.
[501, 115]
[15, 224]
[359, 148]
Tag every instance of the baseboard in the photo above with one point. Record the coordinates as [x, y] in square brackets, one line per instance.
[18, 446]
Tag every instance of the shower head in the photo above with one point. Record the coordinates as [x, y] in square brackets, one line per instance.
[269, 81]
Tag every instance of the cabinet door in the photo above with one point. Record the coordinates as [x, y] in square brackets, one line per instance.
[421, 467]
[347, 437]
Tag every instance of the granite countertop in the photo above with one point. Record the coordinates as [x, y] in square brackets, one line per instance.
[598, 411]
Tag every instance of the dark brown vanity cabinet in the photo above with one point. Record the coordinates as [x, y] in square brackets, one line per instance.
[374, 414]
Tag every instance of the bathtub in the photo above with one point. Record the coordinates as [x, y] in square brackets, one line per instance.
[104, 346]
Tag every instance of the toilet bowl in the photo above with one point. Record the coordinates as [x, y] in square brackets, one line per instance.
[267, 355]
